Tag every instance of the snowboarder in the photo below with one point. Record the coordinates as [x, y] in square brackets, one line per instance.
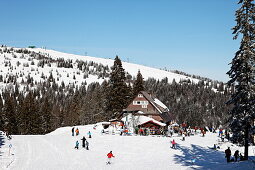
[73, 131]
[236, 155]
[109, 155]
[77, 131]
[83, 141]
[87, 145]
[173, 144]
[228, 154]
[89, 133]
[76, 145]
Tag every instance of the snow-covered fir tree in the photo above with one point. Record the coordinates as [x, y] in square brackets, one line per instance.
[242, 76]
[118, 94]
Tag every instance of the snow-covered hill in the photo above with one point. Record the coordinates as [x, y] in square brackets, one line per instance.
[55, 151]
[34, 65]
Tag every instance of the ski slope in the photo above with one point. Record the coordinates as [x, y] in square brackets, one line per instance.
[55, 151]
[147, 72]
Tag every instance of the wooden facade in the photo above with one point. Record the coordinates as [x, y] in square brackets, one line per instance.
[145, 103]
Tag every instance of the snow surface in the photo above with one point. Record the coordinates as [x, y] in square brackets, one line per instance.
[55, 151]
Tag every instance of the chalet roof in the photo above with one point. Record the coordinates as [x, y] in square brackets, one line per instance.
[162, 109]
[155, 102]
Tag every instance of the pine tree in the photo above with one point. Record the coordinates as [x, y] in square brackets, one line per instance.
[242, 76]
[138, 84]
[45, 111]
[9, 112]
[118, 94]
[31, 115]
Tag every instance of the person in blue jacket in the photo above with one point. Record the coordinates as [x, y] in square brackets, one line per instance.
[77, 145]
[89, 133]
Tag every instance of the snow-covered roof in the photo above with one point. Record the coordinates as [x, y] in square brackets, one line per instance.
[158, 102]
[145, 119]
[155, 102]
[140, 120]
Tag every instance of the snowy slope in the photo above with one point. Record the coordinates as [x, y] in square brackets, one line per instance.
[22, 66]
[147, 72]
[55, 151]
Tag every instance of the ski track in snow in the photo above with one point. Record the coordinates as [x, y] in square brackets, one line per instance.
[55, 151]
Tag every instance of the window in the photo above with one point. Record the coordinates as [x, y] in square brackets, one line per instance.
[144, 106]
[136, 102]
[140, 95]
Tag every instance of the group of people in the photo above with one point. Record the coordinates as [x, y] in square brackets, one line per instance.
[236, 155]
[77, 132]
[85, 144]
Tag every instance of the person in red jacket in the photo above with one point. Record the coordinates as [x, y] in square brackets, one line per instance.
[109, 155]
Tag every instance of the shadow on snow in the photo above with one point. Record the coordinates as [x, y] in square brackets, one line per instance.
[198, 157]
[1, 142]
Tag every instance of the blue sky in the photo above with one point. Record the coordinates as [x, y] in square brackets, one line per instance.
[193, 36]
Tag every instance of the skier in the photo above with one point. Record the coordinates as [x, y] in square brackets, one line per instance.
[173, 144]
[89, 133]
[87, 145]
[73, 131]
[83, 141]
[109, 155]
[228, 154]
[76, 145]
[77, 131]
[236, 155]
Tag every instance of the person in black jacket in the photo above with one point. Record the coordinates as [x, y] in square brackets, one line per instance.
[83, 142]
[228, 154]
[236, 155]
[73, 131]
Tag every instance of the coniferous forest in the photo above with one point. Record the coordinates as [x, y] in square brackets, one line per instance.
[49, 106]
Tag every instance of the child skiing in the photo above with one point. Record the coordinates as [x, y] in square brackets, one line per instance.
[89, 133]
[173, 144]
[109, 155]
[76, 145]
